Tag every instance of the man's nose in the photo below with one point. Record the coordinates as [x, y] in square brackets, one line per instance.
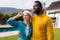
[33, 7]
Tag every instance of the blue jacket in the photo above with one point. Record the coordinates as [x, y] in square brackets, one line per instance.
[22, 26]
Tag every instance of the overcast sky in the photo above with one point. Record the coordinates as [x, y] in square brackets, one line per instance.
[22, 4]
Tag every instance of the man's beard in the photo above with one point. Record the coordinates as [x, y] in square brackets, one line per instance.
[37, 11]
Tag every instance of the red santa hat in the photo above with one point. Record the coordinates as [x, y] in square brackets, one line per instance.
[43, 4]
[28, 11]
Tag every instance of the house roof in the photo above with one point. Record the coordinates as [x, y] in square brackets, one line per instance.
[54, 5]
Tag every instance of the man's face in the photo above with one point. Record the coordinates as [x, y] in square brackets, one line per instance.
[36, 8]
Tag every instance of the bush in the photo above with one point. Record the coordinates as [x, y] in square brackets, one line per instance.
[3, 18]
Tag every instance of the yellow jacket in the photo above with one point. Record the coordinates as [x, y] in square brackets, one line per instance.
[42, 28]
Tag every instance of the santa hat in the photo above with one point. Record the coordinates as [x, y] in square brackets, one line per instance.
[28, 11]
[43, 4]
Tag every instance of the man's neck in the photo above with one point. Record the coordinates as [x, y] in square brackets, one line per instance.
[40, 13]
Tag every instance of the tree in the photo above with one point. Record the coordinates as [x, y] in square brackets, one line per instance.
[14, 14]
[6, 16]
[1, 14]
[3, 18]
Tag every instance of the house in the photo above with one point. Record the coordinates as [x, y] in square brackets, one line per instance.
[54, 12]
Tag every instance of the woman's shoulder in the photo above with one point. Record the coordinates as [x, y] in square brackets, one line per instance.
[21, 22]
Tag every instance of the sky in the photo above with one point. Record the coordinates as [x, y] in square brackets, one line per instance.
[22, 4]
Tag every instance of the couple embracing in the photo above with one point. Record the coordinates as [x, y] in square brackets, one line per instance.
[34, 27]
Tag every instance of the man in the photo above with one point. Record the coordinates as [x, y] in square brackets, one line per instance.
[42, 24]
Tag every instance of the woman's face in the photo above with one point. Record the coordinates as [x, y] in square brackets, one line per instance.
[26, 17]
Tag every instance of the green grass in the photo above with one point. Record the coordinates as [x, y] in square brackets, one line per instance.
[14, 37]
[56, 35]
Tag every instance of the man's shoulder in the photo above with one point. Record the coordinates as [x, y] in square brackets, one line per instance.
[45, 16]
[34, 16]
[48, 17]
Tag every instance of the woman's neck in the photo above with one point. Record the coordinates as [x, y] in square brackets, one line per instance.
[27, 22]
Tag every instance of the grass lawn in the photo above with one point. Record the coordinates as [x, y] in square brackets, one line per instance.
[56, 35]
[9, 38]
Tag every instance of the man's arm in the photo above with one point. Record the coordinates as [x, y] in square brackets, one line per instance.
[50, 34]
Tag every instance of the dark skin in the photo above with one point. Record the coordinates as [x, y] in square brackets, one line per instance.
[36, 9]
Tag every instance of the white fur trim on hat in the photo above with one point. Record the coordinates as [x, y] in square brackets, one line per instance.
[30, 13]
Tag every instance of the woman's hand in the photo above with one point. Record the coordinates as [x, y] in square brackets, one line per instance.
[18, 35]
[17, 16]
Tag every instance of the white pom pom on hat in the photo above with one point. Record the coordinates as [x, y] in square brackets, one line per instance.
[43, 4]
[27, 11]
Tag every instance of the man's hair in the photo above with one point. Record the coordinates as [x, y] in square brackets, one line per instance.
[39, 3]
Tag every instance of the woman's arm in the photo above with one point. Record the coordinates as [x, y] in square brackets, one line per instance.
[12, 21]
[17, 16]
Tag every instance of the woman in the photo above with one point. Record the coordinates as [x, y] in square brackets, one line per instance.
[25, 27]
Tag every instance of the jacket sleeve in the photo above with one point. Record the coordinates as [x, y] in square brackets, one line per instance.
[50, 34]
[13, 23]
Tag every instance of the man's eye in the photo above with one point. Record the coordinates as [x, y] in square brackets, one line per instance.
[35, 7]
